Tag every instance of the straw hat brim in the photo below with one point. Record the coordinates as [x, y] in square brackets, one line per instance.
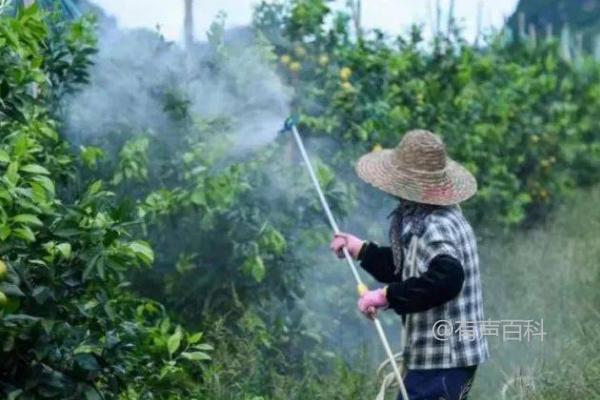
[453, 185]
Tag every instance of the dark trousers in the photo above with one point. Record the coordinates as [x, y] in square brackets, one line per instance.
[437, 384]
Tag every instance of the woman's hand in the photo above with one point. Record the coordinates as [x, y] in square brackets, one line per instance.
[371, 301]
[345, 240]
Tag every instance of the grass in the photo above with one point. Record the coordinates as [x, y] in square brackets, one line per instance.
[550, 272]
[242, 370]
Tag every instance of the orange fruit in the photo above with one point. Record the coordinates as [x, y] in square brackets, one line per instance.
[300, 51]
[285, 59]
[345, 73]
[535, 138]
[323, 60]
[295, 67]
[3, 271]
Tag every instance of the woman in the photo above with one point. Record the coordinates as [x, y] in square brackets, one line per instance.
[431, 268]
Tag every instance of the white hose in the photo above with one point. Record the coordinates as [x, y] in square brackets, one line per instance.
[388, 380]
[386, 345]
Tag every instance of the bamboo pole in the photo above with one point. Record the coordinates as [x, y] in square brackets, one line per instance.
[431, 18]
[188, 23]
[479, 22]
[356, 7]
[438, 17]
[549, 31]
[521, 25]
[578, 46]
[565, 42]
[450, 18]
[532, 35]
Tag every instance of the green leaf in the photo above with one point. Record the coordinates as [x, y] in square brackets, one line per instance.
[46, 183]
[324, 174]
[11, 290]
[94, 188]
[90, 155]
[38, 194]
[203, 346]
[28, 219]
[41, 294]
[91, 266]
[143, 251]
[20, 318]
[64, 249]
[25, 233]
[12, 173]
[5, 232]
[14, 395]
[92, 394]
[164, 326]
[272, 241]
[87, 362]
[35, 169]
[195, 356]
[86, 348]
[195, 338]
[255, 267]
[4, 157]
[174, 341]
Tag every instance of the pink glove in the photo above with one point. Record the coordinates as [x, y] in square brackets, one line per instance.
[371, 301]
[350, 242]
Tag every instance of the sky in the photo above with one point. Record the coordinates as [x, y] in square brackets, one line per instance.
[391, 16]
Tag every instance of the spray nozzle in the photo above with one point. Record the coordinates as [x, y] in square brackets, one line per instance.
[289, 122]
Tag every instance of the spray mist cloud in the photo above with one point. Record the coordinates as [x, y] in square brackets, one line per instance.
[133, 65]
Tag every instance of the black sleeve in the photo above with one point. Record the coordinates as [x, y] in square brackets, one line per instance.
[442, 282]
[379, 262]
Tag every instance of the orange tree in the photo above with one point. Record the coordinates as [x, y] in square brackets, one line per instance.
[518, 116]
[69, 327]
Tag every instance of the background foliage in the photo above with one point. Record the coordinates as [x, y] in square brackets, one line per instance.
[513, 113]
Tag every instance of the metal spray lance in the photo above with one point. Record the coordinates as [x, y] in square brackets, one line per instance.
[290, 126]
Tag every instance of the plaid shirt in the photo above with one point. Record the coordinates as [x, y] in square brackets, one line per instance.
[446, 232]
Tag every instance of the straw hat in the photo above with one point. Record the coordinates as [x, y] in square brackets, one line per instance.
[418, 170]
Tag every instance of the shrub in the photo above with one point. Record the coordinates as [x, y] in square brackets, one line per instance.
[69, 328]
